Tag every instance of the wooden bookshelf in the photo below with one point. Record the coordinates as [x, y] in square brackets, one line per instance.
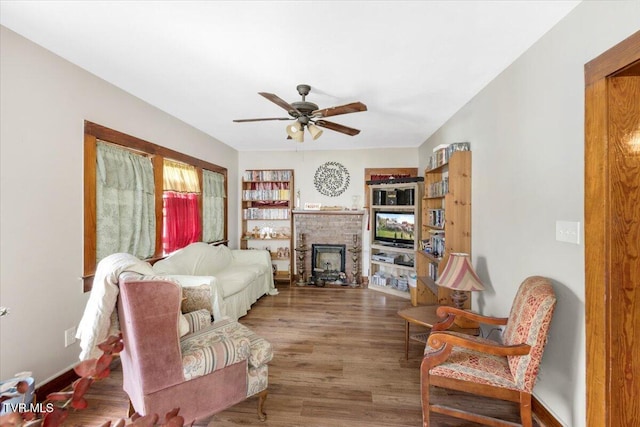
[267, 223]
[447, 188]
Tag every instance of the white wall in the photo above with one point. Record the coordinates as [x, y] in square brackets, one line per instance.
[526, 130]
[44, 102]
[305, 164]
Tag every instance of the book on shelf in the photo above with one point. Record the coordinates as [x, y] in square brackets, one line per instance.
[438, 189]
[436, 218]
[275, 195]
[443, 152]
[433, 271]
[266, 175]
[257, 213]
[381, 278]
[437, 243]
[267, 191]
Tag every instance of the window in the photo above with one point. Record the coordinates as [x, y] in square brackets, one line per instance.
[213, 206]
[125, 217]
[182, 219]
[131, 185]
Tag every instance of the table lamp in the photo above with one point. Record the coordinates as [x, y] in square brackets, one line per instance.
[459, 275]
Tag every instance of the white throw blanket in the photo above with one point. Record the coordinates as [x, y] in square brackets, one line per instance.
[100, 316]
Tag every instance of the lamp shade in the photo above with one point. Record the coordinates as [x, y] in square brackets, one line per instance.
[315, 131]
[295, 131]
[458, 274]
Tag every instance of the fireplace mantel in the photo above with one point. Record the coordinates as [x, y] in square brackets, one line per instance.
[327, 212]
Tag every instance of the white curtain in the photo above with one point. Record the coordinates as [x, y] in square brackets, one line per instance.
[125, 204]
[212, 206]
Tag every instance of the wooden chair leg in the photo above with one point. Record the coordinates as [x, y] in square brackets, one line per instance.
[424, 391]
[525, 409]
[406, 340]
[262, 396]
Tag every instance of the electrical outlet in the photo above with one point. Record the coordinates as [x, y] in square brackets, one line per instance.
[69, 336]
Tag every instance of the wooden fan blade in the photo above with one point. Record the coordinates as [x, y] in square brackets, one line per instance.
[354, 107]
[280, 102]
[337, 127]
[262, 120]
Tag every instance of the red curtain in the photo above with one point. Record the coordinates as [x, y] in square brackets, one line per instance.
[182, 224]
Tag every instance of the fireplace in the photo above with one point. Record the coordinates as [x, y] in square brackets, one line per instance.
[329, 228]
[329, 263]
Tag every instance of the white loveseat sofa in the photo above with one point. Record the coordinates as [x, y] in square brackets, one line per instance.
[236, 278]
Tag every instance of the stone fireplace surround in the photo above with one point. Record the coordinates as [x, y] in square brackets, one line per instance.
[329, 228]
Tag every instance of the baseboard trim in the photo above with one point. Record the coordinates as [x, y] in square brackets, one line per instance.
[58, 383]
[64, 381]
[66, 378]
[543, 414]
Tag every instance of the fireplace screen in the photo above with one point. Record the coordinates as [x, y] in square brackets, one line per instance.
[328, 261]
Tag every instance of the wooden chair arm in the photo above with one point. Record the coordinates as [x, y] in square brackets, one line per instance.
[439, 339]
[444, 311]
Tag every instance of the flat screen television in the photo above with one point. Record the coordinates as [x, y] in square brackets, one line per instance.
[395, 228]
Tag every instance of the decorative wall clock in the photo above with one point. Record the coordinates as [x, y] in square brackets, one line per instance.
[331, 179]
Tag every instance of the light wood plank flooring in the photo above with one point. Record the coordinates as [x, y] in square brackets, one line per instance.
[339, 362]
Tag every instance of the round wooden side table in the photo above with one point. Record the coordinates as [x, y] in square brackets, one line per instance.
[425, 315]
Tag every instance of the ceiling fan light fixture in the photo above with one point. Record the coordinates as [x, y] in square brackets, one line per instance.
[295, 131]
[315, 131]
[293, 128]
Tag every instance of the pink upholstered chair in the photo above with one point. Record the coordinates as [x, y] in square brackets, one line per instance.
[211, 368]
[476, 365]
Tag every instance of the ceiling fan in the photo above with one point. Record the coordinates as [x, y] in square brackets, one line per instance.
[307, 114]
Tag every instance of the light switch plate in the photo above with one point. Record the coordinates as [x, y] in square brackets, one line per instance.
[568, 231]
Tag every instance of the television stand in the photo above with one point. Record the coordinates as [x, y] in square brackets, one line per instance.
[392, 264]
[395, 245]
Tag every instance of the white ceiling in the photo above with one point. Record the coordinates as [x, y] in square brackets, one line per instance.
[413, 63]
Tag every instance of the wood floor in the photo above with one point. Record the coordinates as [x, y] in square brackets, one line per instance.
[339, 361]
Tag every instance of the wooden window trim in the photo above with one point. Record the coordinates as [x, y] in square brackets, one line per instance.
[93, 132]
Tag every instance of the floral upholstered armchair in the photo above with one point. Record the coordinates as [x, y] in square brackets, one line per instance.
[171, 360]
[506, 371]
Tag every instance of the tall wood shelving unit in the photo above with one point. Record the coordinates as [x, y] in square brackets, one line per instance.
[448, 193]
[267, 201]
[392, 270]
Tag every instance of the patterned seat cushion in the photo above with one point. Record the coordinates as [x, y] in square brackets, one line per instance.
[473, 366]
[210, 349]
[469, 365]
[223, 343]
[261, 349]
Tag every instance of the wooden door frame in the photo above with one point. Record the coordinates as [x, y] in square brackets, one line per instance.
[598, 235]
